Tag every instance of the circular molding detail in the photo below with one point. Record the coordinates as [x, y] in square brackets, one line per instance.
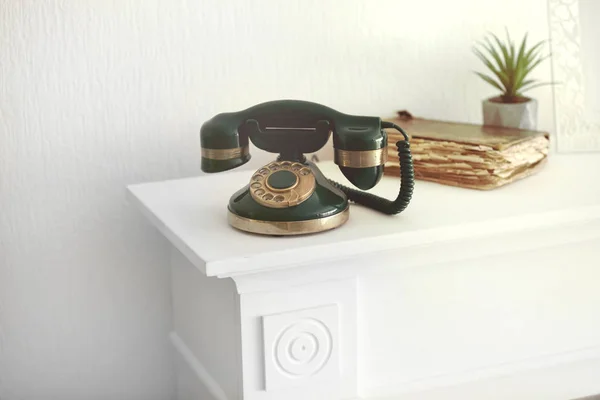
[303, 348]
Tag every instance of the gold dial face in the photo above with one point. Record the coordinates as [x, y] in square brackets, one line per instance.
[282, 184]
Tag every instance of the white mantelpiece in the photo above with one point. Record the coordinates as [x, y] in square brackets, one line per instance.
[463, 285]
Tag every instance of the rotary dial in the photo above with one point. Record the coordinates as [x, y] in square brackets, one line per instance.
[282, 184]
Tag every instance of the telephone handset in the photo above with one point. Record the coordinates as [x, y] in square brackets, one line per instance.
[291, 196]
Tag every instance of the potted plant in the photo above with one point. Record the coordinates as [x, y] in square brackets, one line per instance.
[510, 74]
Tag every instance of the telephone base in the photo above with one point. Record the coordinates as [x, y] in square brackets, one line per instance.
[288, 198]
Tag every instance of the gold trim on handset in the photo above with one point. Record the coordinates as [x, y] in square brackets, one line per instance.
[225, 154]
[361, 159]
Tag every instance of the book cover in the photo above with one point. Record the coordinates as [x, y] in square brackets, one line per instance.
[498, 138]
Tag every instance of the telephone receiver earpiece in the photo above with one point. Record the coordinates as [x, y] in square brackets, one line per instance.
[407, 181]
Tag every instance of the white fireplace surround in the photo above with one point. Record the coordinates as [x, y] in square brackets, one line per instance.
[465, 287]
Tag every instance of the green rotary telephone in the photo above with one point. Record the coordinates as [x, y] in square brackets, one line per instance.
[290, 196]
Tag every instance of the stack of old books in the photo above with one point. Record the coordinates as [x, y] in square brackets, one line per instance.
[467, 155]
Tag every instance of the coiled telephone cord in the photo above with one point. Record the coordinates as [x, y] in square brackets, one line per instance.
[407, 181]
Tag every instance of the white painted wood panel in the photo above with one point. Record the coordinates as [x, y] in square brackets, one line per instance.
[448, 323]
[437, 330]
[188, 385]
[206, 323]
[323, 301]
[570, 381]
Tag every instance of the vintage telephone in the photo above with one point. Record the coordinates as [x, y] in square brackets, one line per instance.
[291, 196]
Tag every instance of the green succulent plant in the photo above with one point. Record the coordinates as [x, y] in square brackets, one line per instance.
[510, 68]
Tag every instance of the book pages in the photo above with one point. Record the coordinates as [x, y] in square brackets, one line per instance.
[474, 164]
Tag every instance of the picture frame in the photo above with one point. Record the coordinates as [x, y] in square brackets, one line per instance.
[575, 49]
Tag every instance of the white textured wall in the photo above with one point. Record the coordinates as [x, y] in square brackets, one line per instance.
[97, 94]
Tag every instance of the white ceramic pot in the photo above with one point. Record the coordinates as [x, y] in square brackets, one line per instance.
[514, 115]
